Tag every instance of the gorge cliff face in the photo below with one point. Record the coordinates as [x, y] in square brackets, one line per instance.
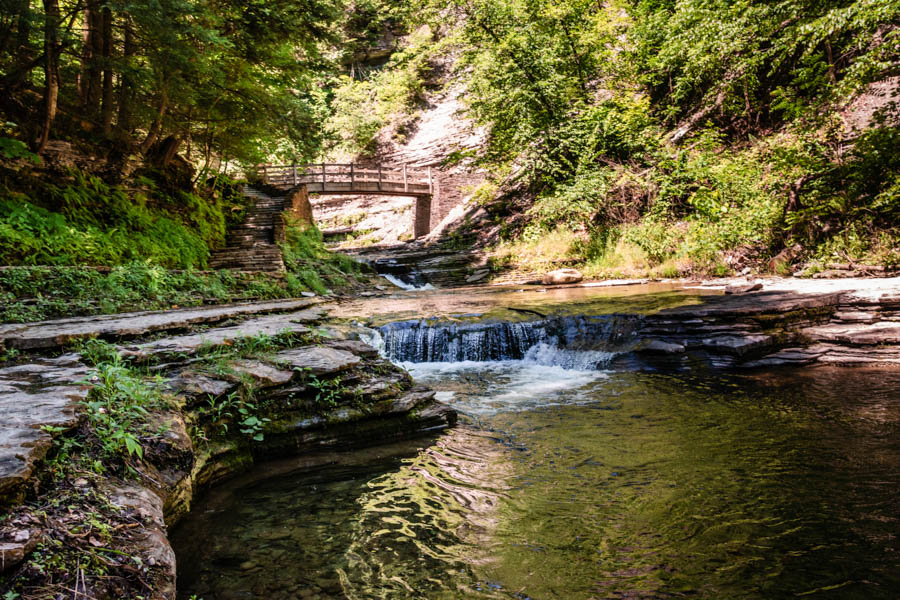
[442, 139]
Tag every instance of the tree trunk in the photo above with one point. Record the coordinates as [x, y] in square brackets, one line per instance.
[123, 121]
[23, 27]
[107, 110]
[165, 152]
[155, 127]
[90, 81]
[25, 59]
[51, 69]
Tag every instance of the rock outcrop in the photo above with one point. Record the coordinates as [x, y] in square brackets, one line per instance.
[306, 394]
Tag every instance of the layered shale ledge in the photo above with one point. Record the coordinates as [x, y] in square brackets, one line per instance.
[756, 329]
[223, 365]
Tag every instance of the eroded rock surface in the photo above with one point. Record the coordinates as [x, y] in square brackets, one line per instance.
[52, 334]
[318, 360]
[828, 323]
[188, 344]
[37, 400]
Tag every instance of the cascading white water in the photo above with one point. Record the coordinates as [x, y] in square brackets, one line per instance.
[484, 367]
[419, 341]
[576, 341]
[407, 286]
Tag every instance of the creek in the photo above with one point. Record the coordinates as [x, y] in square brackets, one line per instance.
[569, 479]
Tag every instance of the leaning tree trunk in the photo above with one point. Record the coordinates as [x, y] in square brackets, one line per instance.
[51, 70]
[156, 126]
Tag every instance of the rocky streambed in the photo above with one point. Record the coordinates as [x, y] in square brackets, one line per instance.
[239, 384]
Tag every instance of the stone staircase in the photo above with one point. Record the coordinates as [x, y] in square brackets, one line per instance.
[251, 246]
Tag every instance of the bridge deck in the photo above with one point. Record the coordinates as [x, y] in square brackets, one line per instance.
[351, 178]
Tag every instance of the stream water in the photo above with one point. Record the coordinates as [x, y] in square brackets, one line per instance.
[568, 481]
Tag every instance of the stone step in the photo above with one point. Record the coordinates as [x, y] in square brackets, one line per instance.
[249, 246]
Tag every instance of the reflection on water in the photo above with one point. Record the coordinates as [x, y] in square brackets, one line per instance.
[465, 302]
[626, 485]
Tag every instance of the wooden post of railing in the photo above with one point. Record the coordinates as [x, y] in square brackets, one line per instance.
[323, 177]
[294, 172]
[405, 183]
[351, 177]
[379, 176]
[429, 181]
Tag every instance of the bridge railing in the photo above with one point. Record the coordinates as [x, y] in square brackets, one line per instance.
[350, 177]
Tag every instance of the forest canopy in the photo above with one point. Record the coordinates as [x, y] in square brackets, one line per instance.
[237, 80]
[757, 124]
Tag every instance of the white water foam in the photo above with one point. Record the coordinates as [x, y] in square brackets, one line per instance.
[406, 286]
[579, 360]
[485, 388]
[546, 376]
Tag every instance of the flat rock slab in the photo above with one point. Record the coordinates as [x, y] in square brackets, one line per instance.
[856, 334]
[758, 303]
[356, 347]
[263, 374]
[199, 386]
[43, 393]
[319, 360]
[188, 344]
[57, 333]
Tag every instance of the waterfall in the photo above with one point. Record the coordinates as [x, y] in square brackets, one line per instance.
[394, 279]
[570, 342]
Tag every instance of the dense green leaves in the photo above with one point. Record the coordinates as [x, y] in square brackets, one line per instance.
[690, 128]
[227, 80]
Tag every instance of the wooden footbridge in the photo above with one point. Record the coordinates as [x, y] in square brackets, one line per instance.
[359, 179]
[351, 178]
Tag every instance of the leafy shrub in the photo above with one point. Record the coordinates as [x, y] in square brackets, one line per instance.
[90, 222]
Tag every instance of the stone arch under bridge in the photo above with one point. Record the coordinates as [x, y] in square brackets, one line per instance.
[357, 179]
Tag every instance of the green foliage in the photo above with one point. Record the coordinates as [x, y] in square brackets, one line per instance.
[118, 405]
[361, 106]
[97, 352]
[739, 57]
[242, 80]
[91, 222]
[13, 149]
[328, 391]
[235, 409]
[310, 265]
[681, 128]
[35, 293]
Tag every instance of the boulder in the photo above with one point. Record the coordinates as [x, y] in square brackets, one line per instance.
[561, 276]
[478, 276]
[743, 289]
